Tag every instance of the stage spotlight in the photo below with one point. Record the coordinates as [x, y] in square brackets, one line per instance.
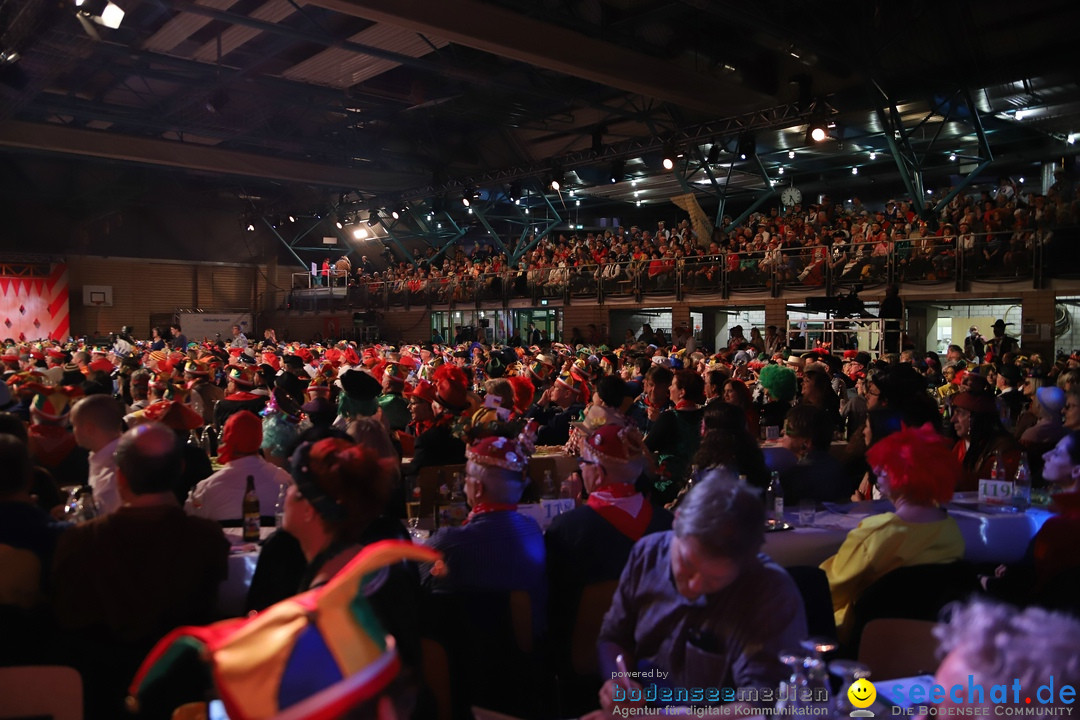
[791, 154]
[395, 214]
[360, 233]
[747, 146]
[250, 227]
[669, 157]
[373, 219]
[618, 170]
[556, 185]
[514, 191]
[292, 218]
[854, 171]
[112, 16]
[465, 201]
[339, 223]
[817, 131]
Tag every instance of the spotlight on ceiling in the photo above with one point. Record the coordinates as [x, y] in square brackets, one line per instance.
[669, 157]
[747, 146]
[250, 227]
[817, 131]
[952, 157]
[791, 154]
[873, 155]
[513, 192]
[292, 218]
[854, 171]
[373, 218]
[618, 170]
[395, 214]
[780, 171]
[359, 233]
[112, 16]
[340, 222]
[556, 185]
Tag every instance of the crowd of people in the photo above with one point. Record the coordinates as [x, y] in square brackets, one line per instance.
[173, 438]
[995, 232]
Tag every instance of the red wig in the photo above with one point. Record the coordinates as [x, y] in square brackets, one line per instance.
[920, 465]
[524, 392]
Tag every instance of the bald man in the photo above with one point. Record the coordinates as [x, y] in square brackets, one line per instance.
[123, 580]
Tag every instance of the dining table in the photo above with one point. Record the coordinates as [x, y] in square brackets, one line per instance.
[992, 534]
[240, 569]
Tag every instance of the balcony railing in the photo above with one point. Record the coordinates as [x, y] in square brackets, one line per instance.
[956, 262]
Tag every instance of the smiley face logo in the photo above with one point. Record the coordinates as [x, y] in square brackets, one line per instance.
[862, 693]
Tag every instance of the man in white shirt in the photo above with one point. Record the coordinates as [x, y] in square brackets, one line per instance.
[97, 421]
[239, 338]
[221, 496]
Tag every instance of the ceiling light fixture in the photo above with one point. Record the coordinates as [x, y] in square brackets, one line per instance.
[854, 171]
[669, 157]
[791, 154]
[556, 185]
[112, 16]
[359, 233]
[373, 218]
[395, 214]
[780, 171]
[873, 154]
[952, 157]
[817, 132]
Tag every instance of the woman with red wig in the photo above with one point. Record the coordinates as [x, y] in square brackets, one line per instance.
[917, 470]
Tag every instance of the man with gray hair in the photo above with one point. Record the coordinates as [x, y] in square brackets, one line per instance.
[997, 655]
[698, 607]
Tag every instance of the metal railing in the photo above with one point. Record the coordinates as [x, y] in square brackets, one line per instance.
[934, 260]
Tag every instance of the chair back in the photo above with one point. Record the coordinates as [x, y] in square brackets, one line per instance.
[488, 642]
[916, 592]
[41, 691]
[899, 647]
[813, 585]
[594, 604]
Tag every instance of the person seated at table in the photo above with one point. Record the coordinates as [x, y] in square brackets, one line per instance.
[986, 645]
[497, 549]
[221, 496]
[817, 390]
[124, 580]
[1052, 552]
[558, 406]
[917, 471]
[590, 544]
[808, 471]
[676, 435]
[727, 442]
[700, 603]
[780, 385]
[880, 423]
[1046, 429]
[243, 391]
[735, 392]
[981, 439]
[334, 509]
[654, 399]
[440, 443]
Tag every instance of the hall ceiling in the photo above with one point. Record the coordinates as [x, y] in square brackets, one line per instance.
[384, 100]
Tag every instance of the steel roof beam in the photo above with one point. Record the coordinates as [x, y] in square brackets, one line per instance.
[47, 138]
[485, 27]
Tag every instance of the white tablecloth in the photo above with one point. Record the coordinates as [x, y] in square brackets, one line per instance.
[233, 590]
[990, 536]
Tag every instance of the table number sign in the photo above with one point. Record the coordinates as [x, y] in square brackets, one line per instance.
[995, 492]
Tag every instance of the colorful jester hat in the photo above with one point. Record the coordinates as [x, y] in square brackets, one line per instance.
[310, 657]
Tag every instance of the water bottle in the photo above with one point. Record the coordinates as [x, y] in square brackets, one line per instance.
[548, 491]
[1021, 497]
[774, 499]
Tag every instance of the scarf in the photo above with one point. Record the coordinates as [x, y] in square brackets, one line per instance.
[484, 508]
[622, 506]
